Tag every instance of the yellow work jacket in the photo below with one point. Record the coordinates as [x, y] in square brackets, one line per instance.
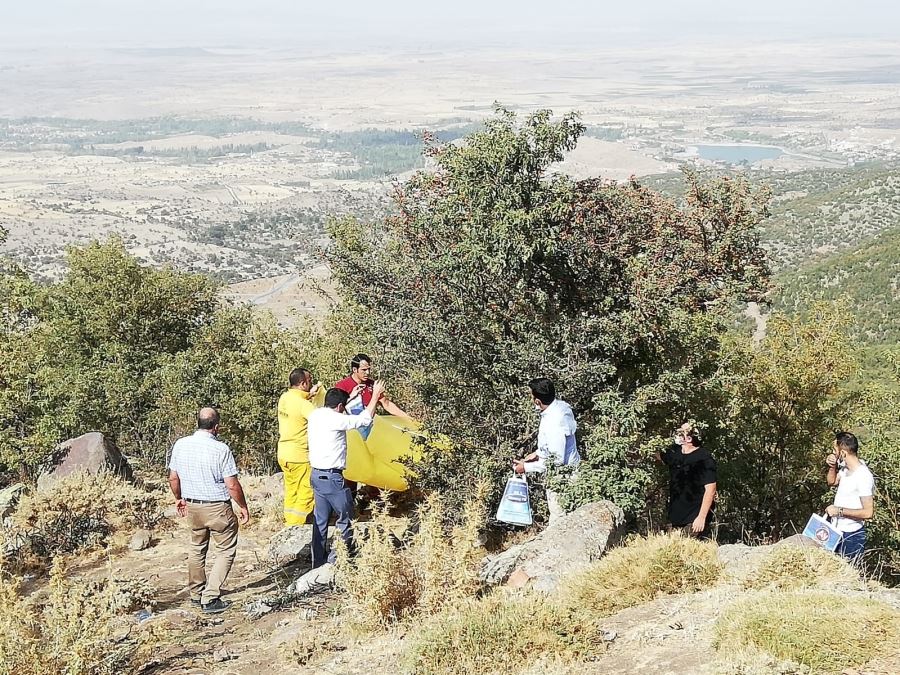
[294, 408]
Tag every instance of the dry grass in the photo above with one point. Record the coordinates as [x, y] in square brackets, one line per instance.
[77, 514]
[823, 632]
[642, 570]
[78, 630]
[500, 634]
[796, 567]
[386, 584]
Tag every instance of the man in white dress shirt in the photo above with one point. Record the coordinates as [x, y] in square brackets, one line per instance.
[556, 438]
[327, 433]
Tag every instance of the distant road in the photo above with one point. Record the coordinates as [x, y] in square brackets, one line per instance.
[292, 280]
[233, 195]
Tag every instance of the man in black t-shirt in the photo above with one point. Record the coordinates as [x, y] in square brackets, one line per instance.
[692, 483]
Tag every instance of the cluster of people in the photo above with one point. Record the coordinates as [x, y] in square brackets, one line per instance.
[312, 453]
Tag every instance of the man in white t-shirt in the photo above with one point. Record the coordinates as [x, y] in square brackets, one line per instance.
[853, 502]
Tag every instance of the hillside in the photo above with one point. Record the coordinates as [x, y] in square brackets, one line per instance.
[868, 276]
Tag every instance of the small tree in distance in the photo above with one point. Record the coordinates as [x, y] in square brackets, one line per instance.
[494, 270]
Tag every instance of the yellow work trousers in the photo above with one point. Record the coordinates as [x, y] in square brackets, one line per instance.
[298, 495]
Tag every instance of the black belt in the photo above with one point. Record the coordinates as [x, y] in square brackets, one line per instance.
[207, 501]
[329, 470]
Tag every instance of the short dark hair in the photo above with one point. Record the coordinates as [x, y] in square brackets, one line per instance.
[847, 442]
[207, 418]
[297, 376]
[543, 390]
[357, 360]
[335, 397]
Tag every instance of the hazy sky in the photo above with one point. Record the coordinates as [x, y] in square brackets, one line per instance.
[385, 22]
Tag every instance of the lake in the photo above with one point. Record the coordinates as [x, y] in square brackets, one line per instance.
[735, 154]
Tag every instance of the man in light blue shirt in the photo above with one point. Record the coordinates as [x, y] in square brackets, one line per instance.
[556, 438]
[203, 478]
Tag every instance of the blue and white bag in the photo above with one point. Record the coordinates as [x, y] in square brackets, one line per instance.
[515, 506]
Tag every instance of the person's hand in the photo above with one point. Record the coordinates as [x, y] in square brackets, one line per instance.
[243, 515]
[315, 389]
[356, 391]
[698, 525]
[832, 510]
[519, 467]
[831, 460]
[378, 390]
[181, 507]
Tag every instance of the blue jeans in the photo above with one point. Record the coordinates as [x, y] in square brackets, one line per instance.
[332, 494]
[852, 546]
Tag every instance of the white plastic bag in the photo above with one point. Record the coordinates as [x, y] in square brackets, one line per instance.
[515, 506]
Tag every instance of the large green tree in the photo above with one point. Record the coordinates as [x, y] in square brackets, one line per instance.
[494, 269]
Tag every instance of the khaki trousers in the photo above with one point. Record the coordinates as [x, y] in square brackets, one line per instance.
[217, 522]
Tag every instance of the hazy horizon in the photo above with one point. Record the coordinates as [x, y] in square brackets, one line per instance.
[281, 23]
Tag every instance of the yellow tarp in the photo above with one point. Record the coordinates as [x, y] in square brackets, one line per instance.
[374, 461]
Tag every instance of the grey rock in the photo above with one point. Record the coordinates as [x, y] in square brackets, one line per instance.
[568, 545]
[291, 544]
[140, 540]
[221, 655]
[315, 581]
[258, 608]
[9, 498]
[90, 453]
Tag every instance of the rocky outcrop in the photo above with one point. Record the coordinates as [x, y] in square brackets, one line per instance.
[89, 453]
[140, 540]
[291, 544]
[570, 544]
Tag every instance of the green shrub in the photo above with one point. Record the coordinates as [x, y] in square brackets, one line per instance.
[493, 270]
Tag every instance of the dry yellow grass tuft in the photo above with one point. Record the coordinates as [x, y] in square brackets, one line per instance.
[499, 634]
[386, 584]
[78, 630]
[796, 567]
[823, 632]
[646, 567]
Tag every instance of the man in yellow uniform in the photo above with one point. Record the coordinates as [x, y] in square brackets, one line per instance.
[294, 408]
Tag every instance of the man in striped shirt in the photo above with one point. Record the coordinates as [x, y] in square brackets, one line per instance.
[203, 478]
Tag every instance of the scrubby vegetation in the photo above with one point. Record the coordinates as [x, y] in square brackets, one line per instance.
[824, 632]
[387, 582]
[77, 630]
[76, 514]
[503, 632]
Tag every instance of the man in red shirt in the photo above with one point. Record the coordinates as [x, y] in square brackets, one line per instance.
[360, 373]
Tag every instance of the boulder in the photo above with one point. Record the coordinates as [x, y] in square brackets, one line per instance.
[90, 453]
[315, 581]
[568, 545]
[291, 544]
[140, 540]
[9, 498]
